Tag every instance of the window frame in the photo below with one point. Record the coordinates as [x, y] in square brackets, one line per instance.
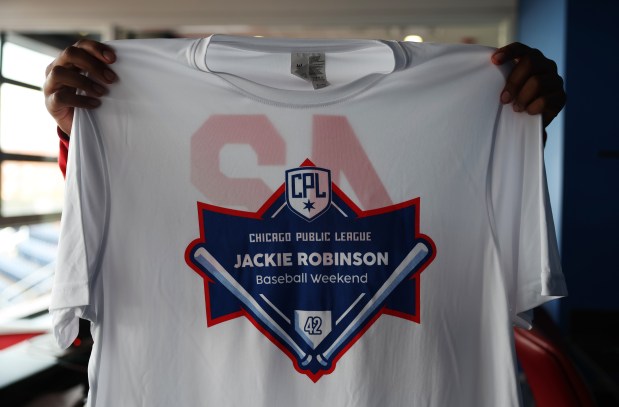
[32, 218]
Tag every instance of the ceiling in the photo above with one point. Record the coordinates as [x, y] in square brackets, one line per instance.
[483, 21]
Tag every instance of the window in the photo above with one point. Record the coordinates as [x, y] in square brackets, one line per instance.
[31, 186]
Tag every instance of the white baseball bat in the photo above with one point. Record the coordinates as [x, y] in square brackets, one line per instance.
[203, 257]
[412, 260]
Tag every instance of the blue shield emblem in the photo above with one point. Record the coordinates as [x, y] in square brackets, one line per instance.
[310, 269]
[308, 191]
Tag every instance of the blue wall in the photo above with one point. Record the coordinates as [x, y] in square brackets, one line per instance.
[591, 188]
[583, 149]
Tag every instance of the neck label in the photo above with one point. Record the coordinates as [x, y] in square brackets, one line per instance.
[310, 66]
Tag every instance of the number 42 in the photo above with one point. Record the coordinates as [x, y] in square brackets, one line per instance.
[312, 326]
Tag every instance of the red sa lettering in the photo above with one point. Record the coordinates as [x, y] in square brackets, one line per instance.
[334, 146]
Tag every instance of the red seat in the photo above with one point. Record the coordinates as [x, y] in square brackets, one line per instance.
[551, 375]
[8, 340]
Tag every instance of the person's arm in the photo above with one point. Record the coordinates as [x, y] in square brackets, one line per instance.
[82, 67]
[534, 84]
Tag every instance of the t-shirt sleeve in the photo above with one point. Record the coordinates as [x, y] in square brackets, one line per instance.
[82, 232]
[522, 215]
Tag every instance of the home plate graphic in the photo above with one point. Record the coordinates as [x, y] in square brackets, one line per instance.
[310, 269]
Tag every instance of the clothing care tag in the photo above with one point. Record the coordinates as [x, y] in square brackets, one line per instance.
[311, 67]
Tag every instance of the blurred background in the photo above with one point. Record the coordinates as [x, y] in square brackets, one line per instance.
[571, 358]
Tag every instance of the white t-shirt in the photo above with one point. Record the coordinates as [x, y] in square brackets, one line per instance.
[271, 222]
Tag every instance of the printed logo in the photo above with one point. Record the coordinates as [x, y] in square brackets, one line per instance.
[308, 191]
[310, 269]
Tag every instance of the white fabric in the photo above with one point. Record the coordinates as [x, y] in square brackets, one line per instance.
[429, 120]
